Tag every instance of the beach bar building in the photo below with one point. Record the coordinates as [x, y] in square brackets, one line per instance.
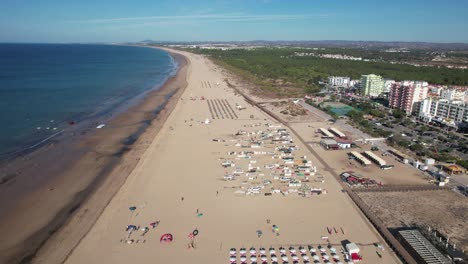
[376, 159]
[337, 132]
[325, 133]
[361, 159]
[329, 144]
[453, 169]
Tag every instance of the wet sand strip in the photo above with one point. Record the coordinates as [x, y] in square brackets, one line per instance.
[96, 178]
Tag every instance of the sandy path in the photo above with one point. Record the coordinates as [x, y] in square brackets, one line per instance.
[182, 161]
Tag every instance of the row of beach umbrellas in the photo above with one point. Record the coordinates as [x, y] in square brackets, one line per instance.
[295, 255]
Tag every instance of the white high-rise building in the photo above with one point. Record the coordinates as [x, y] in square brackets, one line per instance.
[372, 85]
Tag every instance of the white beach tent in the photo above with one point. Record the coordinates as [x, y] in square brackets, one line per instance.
[352, 248]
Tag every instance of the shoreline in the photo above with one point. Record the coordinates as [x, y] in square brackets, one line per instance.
[83, 175]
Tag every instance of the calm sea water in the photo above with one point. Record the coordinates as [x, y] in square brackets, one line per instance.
[45, 86]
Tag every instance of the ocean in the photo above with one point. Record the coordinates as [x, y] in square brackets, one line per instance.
[44, 88]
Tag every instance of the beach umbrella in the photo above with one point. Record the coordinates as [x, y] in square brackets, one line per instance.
[253, 258]
[263, 258]
[243, 258]
[275, 259]
[302, 250]
[262, 251]
[322, 250]
[325, 257]
[284, 258]
[166, 238]
[232, 258]
[282, 250]
[272, 251]
[305, 257]
[294, 257]
[195, 232]
[336, 257]
[313, 250]
[333, 249]
[242, 251]
[316, 257]
[232, 251]
[252, 251]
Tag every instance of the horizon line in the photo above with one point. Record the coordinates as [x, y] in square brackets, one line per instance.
[228, 41]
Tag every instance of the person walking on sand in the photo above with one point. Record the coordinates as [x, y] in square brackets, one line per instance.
[197, 211]
[182, 198]
[217, 193]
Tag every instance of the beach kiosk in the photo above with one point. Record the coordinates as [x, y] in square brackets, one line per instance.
[353, 251]
[452, 169]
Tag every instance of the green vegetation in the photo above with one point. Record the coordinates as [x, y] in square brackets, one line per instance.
[278, 71]
[398, 114]
[275, 68]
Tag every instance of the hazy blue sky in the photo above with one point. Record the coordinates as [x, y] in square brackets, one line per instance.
[118, 20]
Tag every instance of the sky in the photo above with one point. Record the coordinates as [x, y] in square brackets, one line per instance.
[65, 21]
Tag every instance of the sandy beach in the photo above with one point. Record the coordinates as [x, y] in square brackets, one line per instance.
[77, 176]
[178, 187]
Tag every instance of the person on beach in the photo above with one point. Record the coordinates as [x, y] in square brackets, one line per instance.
[217, 193]
[182, 198]
[197, 211]
[145, 230]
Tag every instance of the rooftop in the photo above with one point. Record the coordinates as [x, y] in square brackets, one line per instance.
[423, 247]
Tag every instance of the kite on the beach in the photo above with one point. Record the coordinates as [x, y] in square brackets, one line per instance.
[166, 238]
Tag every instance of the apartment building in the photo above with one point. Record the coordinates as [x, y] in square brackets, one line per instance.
[451, 113]
[388, 85]
[372, 85]
[452, 95]
[407, 95]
